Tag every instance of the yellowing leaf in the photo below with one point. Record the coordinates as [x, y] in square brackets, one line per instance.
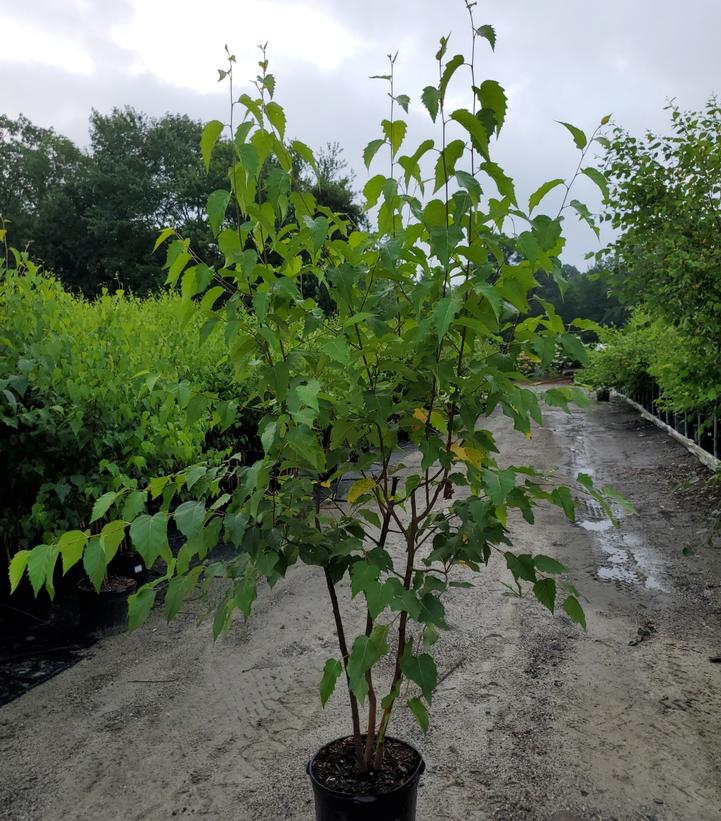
[421, 415]
[474, 456]
[357, 489]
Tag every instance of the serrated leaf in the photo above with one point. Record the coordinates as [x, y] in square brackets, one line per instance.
[503, 182]
[488, 33]
[395, 132]
[475, 129]
[371, 150]
[70, 546]
[149, 535]
[429, 98]
[446, 162]
[216, 208]
[276, 115]
[101, 506]
[134, 504]
[535, 199]
[331, 671]
[444, 312]
[545, 591]
[18, 563]
[562, 497]
[208, 139]
[357, 489]
[163, 236]
[579, 138]
[403, 100]
[189, 518]
[366, 651]
[451, 67]
[94, 562]
[139, 606]
[39, 562]
[111, 537]
[422, 671]
[547, 564]
[418, 708]
[599, 178]
[178, 591]
[362, 574]
[575, 611]
[492, 95]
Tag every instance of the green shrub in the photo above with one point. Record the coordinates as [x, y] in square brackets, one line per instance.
[94, 395]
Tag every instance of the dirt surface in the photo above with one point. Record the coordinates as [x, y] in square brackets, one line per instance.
[533, 719]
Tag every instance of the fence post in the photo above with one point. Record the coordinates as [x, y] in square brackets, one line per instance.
[715, 432]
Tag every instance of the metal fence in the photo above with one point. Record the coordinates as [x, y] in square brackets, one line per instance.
[702, 425]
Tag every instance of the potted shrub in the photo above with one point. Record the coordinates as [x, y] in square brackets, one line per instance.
[421, 343]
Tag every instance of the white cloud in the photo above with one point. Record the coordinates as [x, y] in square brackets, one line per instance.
[182, 42]
[25, 43]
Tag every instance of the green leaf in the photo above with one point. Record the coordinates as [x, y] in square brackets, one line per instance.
[403, 100]
[444, 312]
[139, 606]
[418, 708]
[332, 670]
[535, 199]
[578, 136]
[362, 574]
[70, 546]
[133, 505]
[395, 132]
[492, 95]
[178, 591]
[94, 562]
[366, 651]
[101, 506]
[18, 563]
[562, 497]
[276, 115]
[337, 349]
[498, 485]
[599, 178]
[216, 208]
[451, 67]
[39, 562]
[422, 671]
[475, 128]
[547, 564]
[111, 537]
[503, 182]
[149, 535]
[189, 518]
[545, 591]
[446, 163]
[575, 611]
[163, 236]
[208, 139]
[574, 347]
[429, 97]
[489, 33]
[371, 150]
[246, 592]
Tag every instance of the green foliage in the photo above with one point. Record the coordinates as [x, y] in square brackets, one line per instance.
[94, 396]
[418, 340]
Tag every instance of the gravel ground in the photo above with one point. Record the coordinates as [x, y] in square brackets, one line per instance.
[533, 720]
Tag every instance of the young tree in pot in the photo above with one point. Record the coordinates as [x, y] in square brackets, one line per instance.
[422, 344]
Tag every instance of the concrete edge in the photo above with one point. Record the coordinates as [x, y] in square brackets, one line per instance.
[706, 458]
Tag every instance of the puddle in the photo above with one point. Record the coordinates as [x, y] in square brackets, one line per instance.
[626, 558]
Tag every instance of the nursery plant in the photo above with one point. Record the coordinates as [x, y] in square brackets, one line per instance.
[377, 466]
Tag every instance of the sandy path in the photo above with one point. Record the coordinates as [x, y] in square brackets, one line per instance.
[535, 720]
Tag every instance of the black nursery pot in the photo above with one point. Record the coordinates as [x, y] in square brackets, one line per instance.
[397, 805]
[107, 611]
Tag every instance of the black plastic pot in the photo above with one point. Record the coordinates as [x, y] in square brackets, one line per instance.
[106, 611]
[396, 805]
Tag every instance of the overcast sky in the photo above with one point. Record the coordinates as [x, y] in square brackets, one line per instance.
[558, 60]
